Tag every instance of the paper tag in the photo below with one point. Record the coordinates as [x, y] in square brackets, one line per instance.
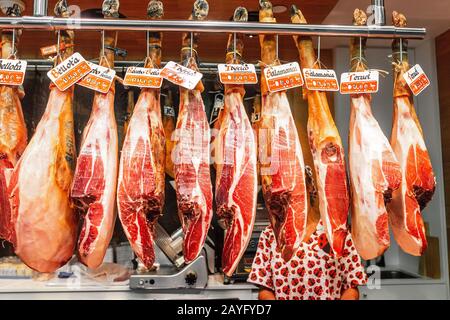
[219, 103]
[416, 79]
[169, 111]
[99, 79]
[69, 72]
[47, 51]
[283, 77]
[12, 72]
[181, 76]
[321, 79]
[256, 117]
[360, 82]
[237, 74]
[143, 78]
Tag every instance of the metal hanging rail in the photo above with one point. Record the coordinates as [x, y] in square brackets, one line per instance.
[49, 23]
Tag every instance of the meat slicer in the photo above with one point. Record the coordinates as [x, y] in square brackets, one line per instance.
[171, 272]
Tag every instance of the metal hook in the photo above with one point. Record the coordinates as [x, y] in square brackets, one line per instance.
[276, 43]
[401, 50]
[192, 45]
[360, 49]
[13, 52]
[58, 46]
[103, 43]
[234, 47]
[318, 49]
[148, 44]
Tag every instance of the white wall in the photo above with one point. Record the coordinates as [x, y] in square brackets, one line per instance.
[427, 105]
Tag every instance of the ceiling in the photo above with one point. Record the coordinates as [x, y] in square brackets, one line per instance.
[212, 46]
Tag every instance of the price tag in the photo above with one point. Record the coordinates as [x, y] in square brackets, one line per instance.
[416, 79]
[283, 77]
[237, 74]
[169, 111]
[219, 103]
[360, 82]
[69, 72]
[143, 78]
[12, 72]
[99, 79]
[181, 76]
[321, 79]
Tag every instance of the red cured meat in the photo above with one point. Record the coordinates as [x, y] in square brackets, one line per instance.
[236, 182]
[418, 180]
[94, 186]
[140, 193]
[192, 173]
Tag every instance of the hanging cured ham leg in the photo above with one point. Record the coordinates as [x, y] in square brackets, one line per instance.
[418, 180]
[192, 154]
[374, 169]
[281, 158]
[236, 178]
[44, 222]
[94, 186]
[140, 193]
[13, 134]
[327, 150]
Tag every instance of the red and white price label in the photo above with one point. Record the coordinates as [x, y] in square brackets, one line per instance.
[143, 78]
[283, 77]
[12, 72]
[69, 72]
[237, 74]
[416, 79]
[99, 79]
[360, 82]
[181, 76]
[321, 79]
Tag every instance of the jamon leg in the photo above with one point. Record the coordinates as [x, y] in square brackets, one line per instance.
[13, 134]
[94, 186]
[45, 226]
[281, 158]
[374, 169]
[140, 193]
[192, 154]
[418, 181]
[327, 150]
[236, 177]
